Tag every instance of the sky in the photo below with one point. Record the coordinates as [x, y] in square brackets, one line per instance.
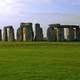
[45, 12]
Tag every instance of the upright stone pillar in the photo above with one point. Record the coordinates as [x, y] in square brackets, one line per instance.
[60, 34]
[8, 33]
[0, 35]
[26, 32]
[56, 26]
[5, 34]
[38, 33]
[66, 33]
[71, 34]
[19, 34]
[55, 32]
[78, 34]
[11, 38]
[51, 34]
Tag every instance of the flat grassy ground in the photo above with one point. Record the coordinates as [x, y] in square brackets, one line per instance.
[40, 61]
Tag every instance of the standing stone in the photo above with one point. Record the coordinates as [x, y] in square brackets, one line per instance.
[75, 34]
[0, 35]
[11, 32]
[26, 32]
[70, 32]
[55, 32]
[60, 34]
[67, 33]
[8, 33]
[38, 33]
[71, 35]
[51, 34]
[5, 34]
[19, 34]
[78, 34]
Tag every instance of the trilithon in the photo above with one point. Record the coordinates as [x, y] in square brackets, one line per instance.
[8, 33]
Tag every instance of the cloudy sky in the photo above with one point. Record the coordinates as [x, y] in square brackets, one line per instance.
[12, 12]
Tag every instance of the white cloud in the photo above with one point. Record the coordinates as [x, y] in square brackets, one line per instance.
[17, 10]
[13, 7]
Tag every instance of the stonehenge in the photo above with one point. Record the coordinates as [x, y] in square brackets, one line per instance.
[55, 32]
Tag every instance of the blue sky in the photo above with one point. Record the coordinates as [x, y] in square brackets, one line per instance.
[12, 12]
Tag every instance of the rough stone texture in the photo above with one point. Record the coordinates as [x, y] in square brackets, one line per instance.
[38, 33]
[69, 26]
[11, 38]
[5, 34]
[8, 33]
[55, 32]
[71, 34]
[19, 34]
[60, 34]
[55, 25]
[78, 34]
[66, 33]
[51, 36]
[0, 35]
[26, 32]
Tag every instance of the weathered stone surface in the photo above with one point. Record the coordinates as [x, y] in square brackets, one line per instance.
[69, 26]
[18, 35]
[78, 34]
[26, 32]
[70, 34]
[0, 35]
[5, 34]
[60, 34]
[8, 33]
[55, 25]
[38, 33]
[55, 32]
[50, 34]
[66, 33]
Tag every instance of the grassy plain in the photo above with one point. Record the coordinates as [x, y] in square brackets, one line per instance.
[39, 60]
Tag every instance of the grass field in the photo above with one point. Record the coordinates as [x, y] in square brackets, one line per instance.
[40, 61]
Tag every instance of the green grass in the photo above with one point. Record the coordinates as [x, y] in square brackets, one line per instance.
[40, 61]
